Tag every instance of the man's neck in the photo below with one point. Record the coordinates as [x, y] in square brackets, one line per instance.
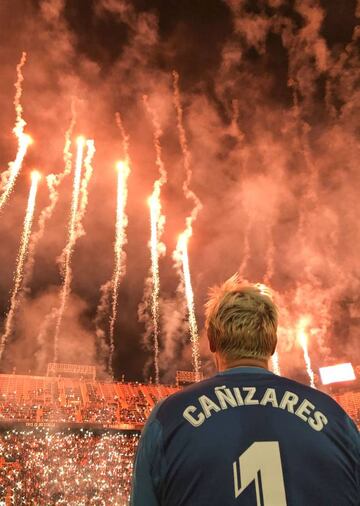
[222, 364]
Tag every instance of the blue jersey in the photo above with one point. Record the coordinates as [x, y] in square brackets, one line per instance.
[247, 437]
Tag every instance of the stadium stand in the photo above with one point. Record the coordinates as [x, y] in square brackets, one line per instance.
[70, 441]
[37, 401]
[350, 402]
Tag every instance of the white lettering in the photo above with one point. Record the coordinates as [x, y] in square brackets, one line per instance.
[304, 409]
[249, 398]
[288, 401]
[238, 396]
[270, 396]
[208, 405]
[196, 422]
[319, 422]
[225, 397]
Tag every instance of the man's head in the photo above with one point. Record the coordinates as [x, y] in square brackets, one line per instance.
[241, 322]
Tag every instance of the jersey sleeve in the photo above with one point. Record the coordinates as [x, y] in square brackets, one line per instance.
[149, 465]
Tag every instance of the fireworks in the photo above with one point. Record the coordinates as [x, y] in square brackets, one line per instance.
[275, 363]
[10, 176]
[155, 212]
[75, 228]
[302, 325]
[180, 254]
[35, 178]
[182, 250]
[120, 240]
[84, 196]
[157, 248]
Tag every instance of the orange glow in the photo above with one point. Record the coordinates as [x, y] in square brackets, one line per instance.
[121, 165]
[36, 175]
[28, 140]
[337, 373]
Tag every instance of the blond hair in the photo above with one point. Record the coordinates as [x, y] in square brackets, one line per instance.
[241, 320]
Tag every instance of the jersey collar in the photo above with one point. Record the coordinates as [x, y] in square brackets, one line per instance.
[244, 369]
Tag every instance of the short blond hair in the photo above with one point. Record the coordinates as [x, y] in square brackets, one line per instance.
[241, 320]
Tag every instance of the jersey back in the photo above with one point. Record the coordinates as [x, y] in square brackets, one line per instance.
[257, 439]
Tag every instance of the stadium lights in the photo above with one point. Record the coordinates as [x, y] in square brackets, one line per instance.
[337, 373]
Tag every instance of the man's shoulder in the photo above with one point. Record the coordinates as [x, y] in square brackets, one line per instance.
[314, 395]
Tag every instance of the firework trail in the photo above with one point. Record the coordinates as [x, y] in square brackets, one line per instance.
[157, 248]
[309, 206]
[84, 197]
[125, 138]
[53, 182]
[275, 363]
[9, 177]
[120, 258]
[303, 323]
[69, 248]
[109, 290]
[180, 255]
[9, 323]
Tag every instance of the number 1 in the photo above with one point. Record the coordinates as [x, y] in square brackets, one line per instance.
[261, 462]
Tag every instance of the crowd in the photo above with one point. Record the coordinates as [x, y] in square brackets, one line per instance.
[82, 468]
[99, 412]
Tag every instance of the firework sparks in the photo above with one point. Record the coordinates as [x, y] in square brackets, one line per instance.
[35, 178]
[155, 211]
[109, 290]
[180, 255]
[157, 248]
[120, 240]
[84, 196]
[302, 325]
[68, 250]
[275, 363]
[9, 177]
[125, 137]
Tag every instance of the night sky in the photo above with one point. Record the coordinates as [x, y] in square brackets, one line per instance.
[270, 97]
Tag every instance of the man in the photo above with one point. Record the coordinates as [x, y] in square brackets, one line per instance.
[246, 436]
